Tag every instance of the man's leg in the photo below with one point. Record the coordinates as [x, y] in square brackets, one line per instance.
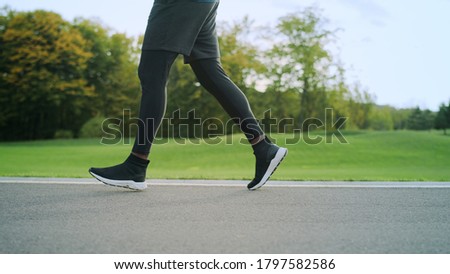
[153, 72]
[211, 75]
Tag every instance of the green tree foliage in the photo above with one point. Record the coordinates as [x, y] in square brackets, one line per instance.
[380, 118]
[5, 114]
[43, 61]
[352, 102]
[301, 63]
[400, 117]
[443, 118]
[112, 69]
[56, 76]
[421, 119]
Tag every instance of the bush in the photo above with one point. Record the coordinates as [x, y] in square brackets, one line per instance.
[63, 134]
[92, 128]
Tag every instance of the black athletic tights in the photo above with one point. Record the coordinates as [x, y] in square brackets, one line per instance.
[153, 72]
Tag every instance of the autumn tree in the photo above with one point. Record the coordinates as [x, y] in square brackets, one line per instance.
[112, 68]
[5, 113]
[112, 72]
[43, 62]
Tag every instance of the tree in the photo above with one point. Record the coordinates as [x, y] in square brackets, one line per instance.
[381, 118]
[443, 118]
[111, 71]
[400, 117]
[421, 119]
[300, 62]
[56, 75]
[43, 61]
[5, 113]
[351, 102]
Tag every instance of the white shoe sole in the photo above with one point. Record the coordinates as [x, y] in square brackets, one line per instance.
[121, 183]
[281, 153]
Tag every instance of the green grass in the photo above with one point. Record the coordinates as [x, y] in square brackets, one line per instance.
[381, 156]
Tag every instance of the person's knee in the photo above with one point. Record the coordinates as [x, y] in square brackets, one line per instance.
[143, 68]
[155, 63]
[141, 74]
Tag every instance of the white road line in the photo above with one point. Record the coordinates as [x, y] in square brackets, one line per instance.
[231, 183]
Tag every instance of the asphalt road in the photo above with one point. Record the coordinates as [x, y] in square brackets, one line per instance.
[184, 217]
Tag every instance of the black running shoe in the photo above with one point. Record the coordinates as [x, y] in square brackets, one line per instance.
[130, 174]
[266, 164]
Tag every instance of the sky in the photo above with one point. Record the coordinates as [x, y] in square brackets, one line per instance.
[398, 50]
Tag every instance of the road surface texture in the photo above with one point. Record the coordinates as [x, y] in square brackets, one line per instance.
[186, 217]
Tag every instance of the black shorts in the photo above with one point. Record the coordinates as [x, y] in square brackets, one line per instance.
[187, 27]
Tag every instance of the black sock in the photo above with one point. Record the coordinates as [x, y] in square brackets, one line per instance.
[135, 160]
[261, 146]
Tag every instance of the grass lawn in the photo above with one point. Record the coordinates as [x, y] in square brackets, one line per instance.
[369, 155]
